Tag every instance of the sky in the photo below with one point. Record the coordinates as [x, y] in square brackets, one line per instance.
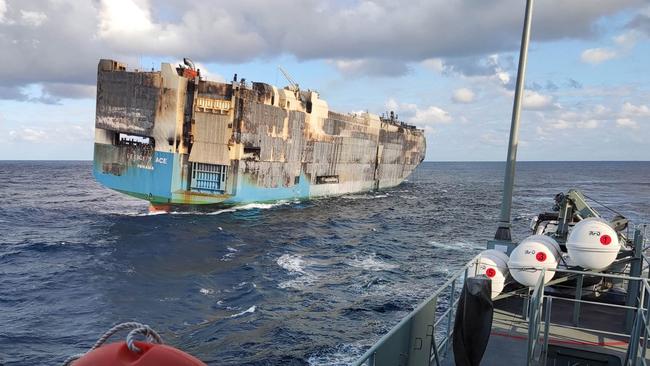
[447, 66]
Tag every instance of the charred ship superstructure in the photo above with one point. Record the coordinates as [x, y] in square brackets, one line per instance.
[171, 137]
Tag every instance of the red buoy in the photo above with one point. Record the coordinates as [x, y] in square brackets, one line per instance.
[151, 354]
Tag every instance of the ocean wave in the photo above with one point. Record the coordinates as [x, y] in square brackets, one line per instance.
[249, 206]
[292, 263]
[344, 354]
[231, 253]
[296, 265]
[371, 263]
[365, 196]
[247, 311]
[456, 246]
[206, 291]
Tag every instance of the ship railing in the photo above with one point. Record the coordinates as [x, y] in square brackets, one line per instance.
[636, 353]
[637, 328]
[423, 337]
[540, 305]
[537, 345]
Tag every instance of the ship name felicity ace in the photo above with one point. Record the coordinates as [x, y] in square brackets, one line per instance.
[174, 138]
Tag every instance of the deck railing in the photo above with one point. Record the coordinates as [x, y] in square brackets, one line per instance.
[636, 353]
[535, 350]
[422, 337]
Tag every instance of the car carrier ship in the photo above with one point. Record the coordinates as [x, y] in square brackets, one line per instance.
[173, 138]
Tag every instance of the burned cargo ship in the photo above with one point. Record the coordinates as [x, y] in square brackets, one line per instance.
[173, 138]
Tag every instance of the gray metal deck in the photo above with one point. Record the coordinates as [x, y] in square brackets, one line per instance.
[509, 337]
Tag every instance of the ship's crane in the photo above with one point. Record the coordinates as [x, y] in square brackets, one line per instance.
[293, 86]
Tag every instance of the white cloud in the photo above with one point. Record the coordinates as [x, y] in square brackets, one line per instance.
[536, 101]
[626, 123]
[463, 95]
[371, 37]
[588, 124]
[125, 19]
[597, 55]
[391, 104]
[33, 18]
[431, 115]
[591, 118]
[630, 109]
[3, 11]
[423, 117]
[629, 39]
[435, 64]
[494, 139]
[62, 134]
[28, 135]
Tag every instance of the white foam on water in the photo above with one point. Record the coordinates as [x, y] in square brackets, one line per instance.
[296, 265]
[250, 206]
[364, 196]
[413, 197]
[292, 263]
[247, 311]
[344, 354]
[143, 214]
[459, 245]
[371, 263]
[206, 291]
[229, 256]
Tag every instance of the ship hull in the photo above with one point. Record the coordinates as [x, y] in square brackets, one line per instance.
[170, 139]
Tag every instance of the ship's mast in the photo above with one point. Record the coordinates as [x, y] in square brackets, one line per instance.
[503, 231]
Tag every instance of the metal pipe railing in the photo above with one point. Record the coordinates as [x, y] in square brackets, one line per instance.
[368, 357]
[538, 338]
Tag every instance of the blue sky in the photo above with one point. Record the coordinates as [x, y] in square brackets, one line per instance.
[448, 67]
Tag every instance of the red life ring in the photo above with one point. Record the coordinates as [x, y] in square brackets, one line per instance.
[151, 354]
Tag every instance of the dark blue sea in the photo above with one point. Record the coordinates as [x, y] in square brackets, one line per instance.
[291, 283]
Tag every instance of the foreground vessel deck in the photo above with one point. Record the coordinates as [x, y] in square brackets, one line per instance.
[543, 325]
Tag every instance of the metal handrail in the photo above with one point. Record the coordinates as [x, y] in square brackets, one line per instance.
[368, 356]
[538, 337]
[535, 318]
[636, 353]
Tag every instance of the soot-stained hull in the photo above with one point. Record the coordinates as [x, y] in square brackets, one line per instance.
[171, 137]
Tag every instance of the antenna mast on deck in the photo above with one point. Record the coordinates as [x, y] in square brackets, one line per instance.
[503, 231]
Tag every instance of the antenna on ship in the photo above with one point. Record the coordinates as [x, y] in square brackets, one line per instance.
[503, 230]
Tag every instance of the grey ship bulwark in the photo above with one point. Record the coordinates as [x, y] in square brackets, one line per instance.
[171, 137]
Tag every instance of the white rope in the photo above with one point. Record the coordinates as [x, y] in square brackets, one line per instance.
[135, 329]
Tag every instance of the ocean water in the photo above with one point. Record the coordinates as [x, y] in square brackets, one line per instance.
[290, 283]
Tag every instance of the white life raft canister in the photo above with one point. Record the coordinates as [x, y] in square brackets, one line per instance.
[493, 264]
[593, 244]
[530, 256]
